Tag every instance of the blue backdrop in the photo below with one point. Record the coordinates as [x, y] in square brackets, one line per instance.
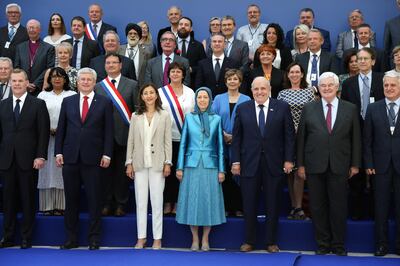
[330, 15]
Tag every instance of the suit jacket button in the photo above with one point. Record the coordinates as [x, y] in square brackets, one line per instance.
[152, 145]
[152, 152]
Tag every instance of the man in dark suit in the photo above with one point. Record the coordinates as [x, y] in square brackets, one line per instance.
[34, 57]
[12, 34]
[84, 49]
[24, 137]
[234, 49]
[189, 48]
[306, 16]
[157, 67]
[96, 28]
[83, 147]
[262, 152]
[118, 88]
[211, 70]
[111, 45]
[6, 68]
[382, 158]
[391, 37]
[174, 14]
[316, 61]
[328, 153]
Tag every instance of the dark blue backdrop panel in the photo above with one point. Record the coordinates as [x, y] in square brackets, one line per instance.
[330, 15]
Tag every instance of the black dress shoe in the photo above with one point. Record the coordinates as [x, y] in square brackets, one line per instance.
[397, 252]
[119, 212]
[381, 251]
[69, 245]
[6, 243]
[322, 251]
[339, 252]
[94, 246]
[25, 244]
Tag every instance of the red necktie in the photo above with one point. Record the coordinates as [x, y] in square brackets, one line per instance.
[85, 107]
[329, 118]
[165, 76]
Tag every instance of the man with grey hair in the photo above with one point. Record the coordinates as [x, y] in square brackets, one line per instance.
[35, 57]
[83, 147]
[262, 153]
[13, 33]
[328, 153]
[252, 33]
[6, 68]
[111, 45]
[382, 159]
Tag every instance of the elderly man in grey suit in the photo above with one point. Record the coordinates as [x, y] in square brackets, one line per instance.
[134, 51]
[157, 67]
[123, 94]
[34, 57]
[349, 39]
[235, 49]
[391, 36]
[6, 68]
[328, 153]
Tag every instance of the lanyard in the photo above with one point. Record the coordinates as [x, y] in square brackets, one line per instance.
[252, 33]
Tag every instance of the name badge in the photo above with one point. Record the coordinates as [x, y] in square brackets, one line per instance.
[313, 77]
[391, 130]
[7, 45]
[371, 99]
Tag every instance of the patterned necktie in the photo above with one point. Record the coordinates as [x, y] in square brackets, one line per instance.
[355, 40]
[329, 118]
[365, 96]
[392, 114]
[183, 48]
[314, 71]
[130, 53]
[166, 66]
[261, 119]
[2, 89]
[95, 30]
[217, 69]
[85, 107]
[11, 33]
[17, 110]
[75, 53]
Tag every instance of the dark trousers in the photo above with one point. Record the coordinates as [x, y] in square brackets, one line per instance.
[384, 184]
[271, 189]
[232, 193]
[328, 205]
[360, 201]
[17, 181]
[73, 174]
[171, 182]
[115, 181]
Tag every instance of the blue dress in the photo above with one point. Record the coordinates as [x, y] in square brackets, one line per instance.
[200, 200]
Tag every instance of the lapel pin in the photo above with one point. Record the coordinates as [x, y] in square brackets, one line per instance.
[271, 109]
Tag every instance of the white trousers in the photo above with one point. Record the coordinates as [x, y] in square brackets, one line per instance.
[146, 179]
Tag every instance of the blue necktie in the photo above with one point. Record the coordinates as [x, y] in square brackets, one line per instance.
[17, 111]
[365, 96]
[392, 115]
[11, 33]
[261, 119]
[314, 71]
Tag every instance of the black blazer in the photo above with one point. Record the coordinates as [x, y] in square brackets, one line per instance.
[90, 49]
[29, 138]
[380, 63]
[327, 62]
[20, 36]
[276, 80]
[128, 67]
[351, 90]
[205, 76]
[44, 59]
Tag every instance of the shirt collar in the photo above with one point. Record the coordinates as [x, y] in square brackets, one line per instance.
[230, 39]
[265, 104]
[220, 57]
[171, 56]
[22, 98]
[387, 101]
[334, 103]
[317, 53]
[187, 39]
[16, 26]
[98, 24]
[369, 75]
[116, 79]
[90, 95]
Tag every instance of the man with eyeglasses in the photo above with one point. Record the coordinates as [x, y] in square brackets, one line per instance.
[157, 67]
[13, 33]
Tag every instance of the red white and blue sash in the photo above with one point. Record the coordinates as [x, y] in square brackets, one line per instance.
[117, 100]
[90, 33]
[174, 105]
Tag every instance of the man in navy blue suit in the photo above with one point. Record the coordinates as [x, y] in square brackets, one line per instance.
[262, 152]
[84, 144]
[382, 158]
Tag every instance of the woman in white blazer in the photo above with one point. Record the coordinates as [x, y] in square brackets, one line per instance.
[148, 160]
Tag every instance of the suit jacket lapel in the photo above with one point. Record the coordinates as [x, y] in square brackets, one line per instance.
[340, 115]
[321, 116]
[92, 108]
[253, 115]
[270, 114]
[25, 108]
[384, 114]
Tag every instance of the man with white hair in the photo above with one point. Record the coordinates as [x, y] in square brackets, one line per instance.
[83, 147]
[382, 159]
[13, 33]
[328, 153]
[6, 68]
[35, 57]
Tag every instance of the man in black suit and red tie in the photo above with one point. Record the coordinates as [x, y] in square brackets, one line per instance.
[24, 138]
[83, 147]
[12, 34]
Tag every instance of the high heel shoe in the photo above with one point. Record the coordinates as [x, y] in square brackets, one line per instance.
[140, 244]
[195, 246]
[156, 244]
[205, 247]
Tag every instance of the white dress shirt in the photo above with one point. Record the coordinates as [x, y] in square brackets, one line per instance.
[117, 79]
[81, 99]
[221, 60]
[308, 78]
[164, 59]
[21, 103]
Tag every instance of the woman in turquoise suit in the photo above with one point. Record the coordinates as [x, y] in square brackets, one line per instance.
[200, 169]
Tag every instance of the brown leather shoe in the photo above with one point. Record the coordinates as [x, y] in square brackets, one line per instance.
[246, 247]
[272, 248]
[119, 212]
[106, 211]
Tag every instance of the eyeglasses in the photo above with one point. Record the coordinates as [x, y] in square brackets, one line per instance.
[360, 59]
[168, 40]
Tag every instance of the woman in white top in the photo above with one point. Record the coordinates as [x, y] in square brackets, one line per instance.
[148, 160]
[50, 184]
[56, 30]
[178, 100]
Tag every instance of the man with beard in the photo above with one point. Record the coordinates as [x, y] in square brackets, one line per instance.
[134, 51]
[188, 47]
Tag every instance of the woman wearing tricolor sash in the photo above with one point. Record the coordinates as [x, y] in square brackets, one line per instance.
[178, 100]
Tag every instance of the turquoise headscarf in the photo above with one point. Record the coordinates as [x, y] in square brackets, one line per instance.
[204, 120]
